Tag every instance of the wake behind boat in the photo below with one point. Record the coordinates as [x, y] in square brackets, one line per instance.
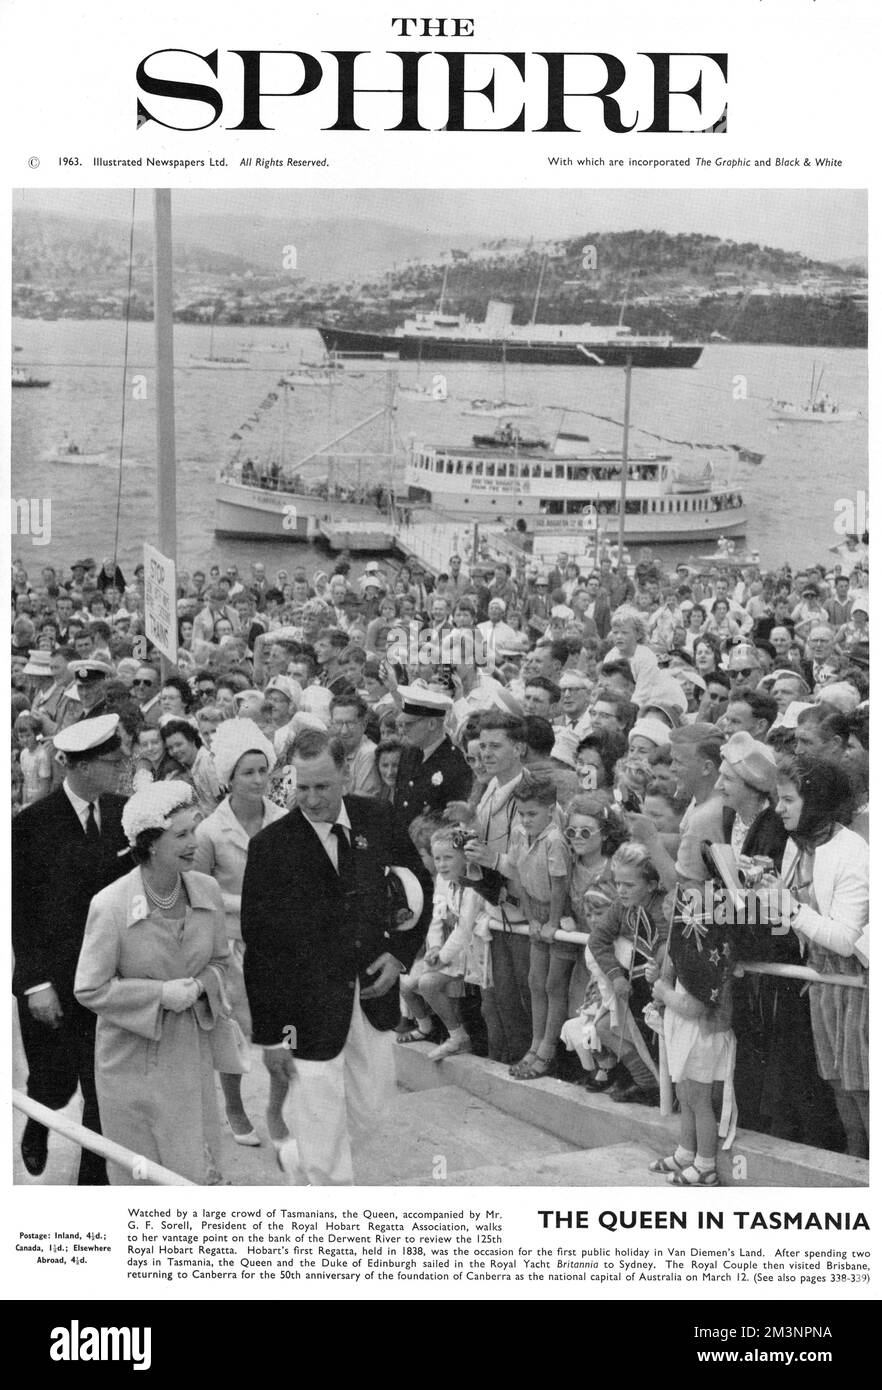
[497, 409]
[218, 363]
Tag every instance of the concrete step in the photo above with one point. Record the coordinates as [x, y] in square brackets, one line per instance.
[432, 1137]
[588, 1121]
[616, 1165]
[466, 1122]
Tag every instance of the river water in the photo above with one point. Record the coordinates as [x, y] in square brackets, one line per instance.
[791, 497]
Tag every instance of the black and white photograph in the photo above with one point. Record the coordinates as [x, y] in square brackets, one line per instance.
[468, 784]
[439, 838]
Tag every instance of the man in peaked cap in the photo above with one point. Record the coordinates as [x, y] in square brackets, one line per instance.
[431, 771]
[86, 699]
[65, 849]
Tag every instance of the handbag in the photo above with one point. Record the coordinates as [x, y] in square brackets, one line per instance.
[230, 1052]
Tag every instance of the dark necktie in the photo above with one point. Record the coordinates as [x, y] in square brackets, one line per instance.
[344, 853]
[92, 832]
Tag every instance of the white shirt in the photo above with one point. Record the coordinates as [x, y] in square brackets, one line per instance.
[81, 807]
[325, 831]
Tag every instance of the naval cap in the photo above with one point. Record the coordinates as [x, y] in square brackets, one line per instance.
[92, 670]
[92, 736]
[422, 703]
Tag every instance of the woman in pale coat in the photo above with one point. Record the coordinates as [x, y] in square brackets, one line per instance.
[152, 967]
[826, 870]
[243, 758]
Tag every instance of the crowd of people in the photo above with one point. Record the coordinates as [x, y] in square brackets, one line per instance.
[603, 796]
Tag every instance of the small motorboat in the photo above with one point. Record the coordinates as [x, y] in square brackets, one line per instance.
[69, 452]
[508, 437]
[21, 377]
[425, 395]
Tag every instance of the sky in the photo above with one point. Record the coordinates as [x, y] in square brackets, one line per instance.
[826, 224]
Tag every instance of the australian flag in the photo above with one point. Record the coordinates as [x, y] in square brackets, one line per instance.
[702, 947]
[644, 943]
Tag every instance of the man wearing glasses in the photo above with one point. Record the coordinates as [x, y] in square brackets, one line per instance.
[348, 714]
[205, 687]
[145, 689]
[65, 849]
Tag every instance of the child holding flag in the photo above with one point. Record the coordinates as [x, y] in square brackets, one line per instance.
[699, 1038]
[624, 943]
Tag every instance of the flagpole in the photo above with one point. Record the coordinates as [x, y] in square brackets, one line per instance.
[624, 1003]
[163, 329]
[665, 1085]
[623, 490]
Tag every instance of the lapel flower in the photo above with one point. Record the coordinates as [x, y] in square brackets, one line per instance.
[360, 842]
[437, 779]
[138, 910]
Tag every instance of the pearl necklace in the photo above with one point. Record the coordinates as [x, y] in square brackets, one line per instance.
[164, 902]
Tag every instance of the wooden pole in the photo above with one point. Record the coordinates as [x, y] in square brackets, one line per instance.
[163, 331]
[623, 491]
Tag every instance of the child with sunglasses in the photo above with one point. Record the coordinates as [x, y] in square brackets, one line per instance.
[593, 832]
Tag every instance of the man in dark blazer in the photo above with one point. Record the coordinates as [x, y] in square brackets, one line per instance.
[65, 849]
[322, 961]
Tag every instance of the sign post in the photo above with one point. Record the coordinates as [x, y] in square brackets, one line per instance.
[160, 605]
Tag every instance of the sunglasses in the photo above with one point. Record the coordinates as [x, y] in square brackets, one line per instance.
[137, 682]
[579, 832]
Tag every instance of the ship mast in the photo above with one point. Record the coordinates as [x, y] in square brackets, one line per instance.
[440, 309]
[623, 491]
[538, 290]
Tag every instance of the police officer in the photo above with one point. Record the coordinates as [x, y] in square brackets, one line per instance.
[432, 772]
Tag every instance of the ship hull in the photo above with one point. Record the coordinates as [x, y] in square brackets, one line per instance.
[252, 513]
[536, 354]
[672, 529]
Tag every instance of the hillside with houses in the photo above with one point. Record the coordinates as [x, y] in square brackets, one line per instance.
[693, 286]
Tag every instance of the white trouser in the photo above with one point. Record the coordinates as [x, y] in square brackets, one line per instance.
[334, 1106]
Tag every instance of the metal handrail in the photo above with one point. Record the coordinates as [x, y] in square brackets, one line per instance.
[142, 1169]
[786, 972]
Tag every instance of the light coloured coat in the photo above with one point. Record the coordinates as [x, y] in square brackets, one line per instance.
[841, 884]
[153, 1068]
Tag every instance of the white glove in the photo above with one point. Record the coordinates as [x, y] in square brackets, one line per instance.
[179, 995]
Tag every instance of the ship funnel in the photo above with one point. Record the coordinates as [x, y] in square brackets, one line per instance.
[498, 317]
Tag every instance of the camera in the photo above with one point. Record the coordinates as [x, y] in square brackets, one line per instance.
[463, 838]
[753, 868]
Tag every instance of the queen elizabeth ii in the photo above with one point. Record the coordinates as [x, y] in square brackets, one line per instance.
[152, 968]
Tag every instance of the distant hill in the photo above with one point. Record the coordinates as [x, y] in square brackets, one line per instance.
[372, 273]
[55, 246]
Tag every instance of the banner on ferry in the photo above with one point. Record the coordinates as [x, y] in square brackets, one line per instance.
[160, 602]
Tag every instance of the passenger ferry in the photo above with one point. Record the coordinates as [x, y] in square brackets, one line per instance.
[277, 504]
[668, 499]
